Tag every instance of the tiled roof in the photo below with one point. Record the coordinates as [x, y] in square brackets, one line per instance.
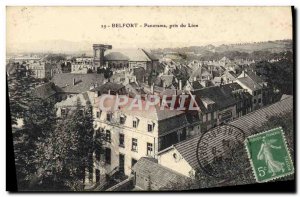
[113, 87]
[44, 91]
[258, 117]
[254, 77]
[83, 82]
[230, 88]
[221, 98]
[160, 176]
[72, 101]
[233, 74]
[248, 82]
[134, 55]
[150, 55]
[116, 56]
[196, 85]
[166, 125]
[187, 148]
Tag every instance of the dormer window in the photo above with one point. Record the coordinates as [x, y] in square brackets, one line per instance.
[122, 119]
[135, 122]
[109, 116]
[150, 127]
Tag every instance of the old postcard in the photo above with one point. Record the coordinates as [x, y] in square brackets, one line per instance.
[150, 98]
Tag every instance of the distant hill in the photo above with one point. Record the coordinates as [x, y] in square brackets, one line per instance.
[271, 46]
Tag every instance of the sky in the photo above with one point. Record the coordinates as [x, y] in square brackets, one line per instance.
[77, 28]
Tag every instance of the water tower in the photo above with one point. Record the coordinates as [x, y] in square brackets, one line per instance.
[99, 50]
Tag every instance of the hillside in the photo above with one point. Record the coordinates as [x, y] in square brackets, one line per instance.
[271, 46]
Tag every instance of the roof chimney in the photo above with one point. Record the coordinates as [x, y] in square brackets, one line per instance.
[152, 88]
[180, 85]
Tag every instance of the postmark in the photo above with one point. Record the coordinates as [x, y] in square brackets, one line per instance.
[218, 151]
[269, 155]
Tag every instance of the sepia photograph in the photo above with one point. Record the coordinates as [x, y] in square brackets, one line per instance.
[147, 99]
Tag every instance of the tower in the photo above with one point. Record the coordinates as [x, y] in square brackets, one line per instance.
[99, 54]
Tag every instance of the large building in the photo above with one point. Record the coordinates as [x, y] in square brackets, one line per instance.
[82, 65]
[254, 85]
[41, 70]
[216, 105]
[132, 134]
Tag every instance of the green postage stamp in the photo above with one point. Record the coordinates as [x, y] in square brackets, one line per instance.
[269, 155]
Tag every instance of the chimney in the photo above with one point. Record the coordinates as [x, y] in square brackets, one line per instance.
[152, 88]
[74, 81]
[180, 85]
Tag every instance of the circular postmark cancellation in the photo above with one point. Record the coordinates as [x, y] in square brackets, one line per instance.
[218, 151]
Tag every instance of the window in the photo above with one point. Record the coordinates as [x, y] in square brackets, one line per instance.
[254, 93]
[204, 118]
[63, 112]
[108, 136]
[149, 148]
[97, 153]
[134, 124]
[254, 101]
[107, 155]
[98, 114]
[209, 117]
[259, 100]
[108, 117]
[122, 120]
[121, 140]
[134, 145]
[150, 127]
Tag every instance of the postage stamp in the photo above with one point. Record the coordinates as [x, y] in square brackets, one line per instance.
[269, 155]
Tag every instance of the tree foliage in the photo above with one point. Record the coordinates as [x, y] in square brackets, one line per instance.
[67, 152]
[278, 74]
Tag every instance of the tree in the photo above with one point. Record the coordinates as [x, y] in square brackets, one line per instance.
[67, 152]
[20, 85]
[107, 72]
[56, 58]
[34, 112]
[39, 119]
[278, 74]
